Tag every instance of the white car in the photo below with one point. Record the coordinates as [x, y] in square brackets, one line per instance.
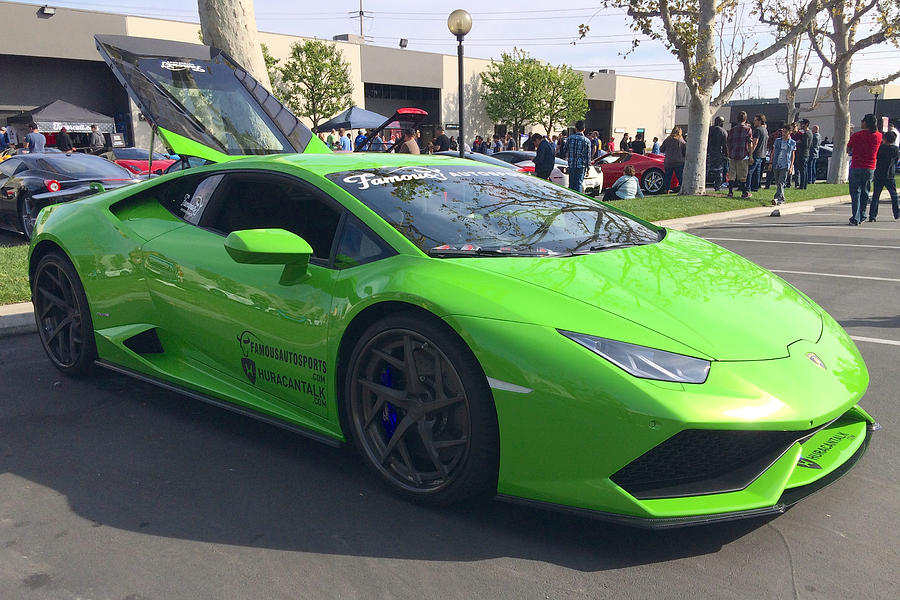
[524, 159]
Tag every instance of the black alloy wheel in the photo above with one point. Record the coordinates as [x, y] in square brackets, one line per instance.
[421, 412]
[63, 316]
[27, 216]
[652, 181]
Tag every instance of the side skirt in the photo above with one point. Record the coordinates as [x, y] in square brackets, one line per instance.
[247, 412]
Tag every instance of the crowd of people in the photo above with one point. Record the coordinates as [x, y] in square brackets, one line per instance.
[35, 141]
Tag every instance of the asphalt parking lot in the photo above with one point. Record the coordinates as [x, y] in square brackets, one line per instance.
[112, 489]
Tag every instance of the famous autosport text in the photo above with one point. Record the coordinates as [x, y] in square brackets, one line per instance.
[279, 367]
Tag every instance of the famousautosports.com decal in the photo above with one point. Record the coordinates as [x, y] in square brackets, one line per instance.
[271, 368]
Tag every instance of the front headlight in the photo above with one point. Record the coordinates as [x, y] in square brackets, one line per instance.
[646, 363]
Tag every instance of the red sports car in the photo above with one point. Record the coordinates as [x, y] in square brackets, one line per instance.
[137, 160]
[647, 168]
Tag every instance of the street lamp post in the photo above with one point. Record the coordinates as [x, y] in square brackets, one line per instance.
[875, 91]
[460, 23]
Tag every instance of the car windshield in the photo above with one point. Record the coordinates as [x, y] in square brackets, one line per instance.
[489, 211]
[211, 93]
[79, 166]
[136, 154]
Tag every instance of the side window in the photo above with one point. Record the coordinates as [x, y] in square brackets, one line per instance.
[247, 202]
[184, 197]
[358, 246]
[9, 166]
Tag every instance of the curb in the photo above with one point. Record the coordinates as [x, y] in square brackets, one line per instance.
[757, 211]
[18, 319]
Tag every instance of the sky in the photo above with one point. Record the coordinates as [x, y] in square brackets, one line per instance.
[498, 26]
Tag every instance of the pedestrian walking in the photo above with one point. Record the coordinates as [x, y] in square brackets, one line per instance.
[760, 146]
[740, 148]
[863, 148]
[626, 187]
[813, 154]
[673, 147]
[782, 161]
[578, 152]
[35, 139]
[716, 152]
[544, 159]
[885, 171]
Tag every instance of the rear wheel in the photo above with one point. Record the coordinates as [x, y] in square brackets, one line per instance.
[421, 412]
[652, 181]
[62, 315]
[27, 214]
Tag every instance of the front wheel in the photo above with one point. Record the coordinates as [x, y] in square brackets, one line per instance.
[652, 181]
[421, 412]
[62, 315]
[27, 216]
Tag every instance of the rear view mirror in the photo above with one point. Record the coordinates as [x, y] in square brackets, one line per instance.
[271, 247]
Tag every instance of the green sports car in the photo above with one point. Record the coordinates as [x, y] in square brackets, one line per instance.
[473, 330]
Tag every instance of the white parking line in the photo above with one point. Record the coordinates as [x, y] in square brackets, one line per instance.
[721, 239]
[860, 338]
[836, 275]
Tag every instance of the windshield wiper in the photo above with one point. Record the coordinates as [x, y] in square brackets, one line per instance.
[456, 253]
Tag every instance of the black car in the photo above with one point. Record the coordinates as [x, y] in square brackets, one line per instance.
[29, 182]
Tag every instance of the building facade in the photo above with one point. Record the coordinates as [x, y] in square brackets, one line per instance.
[55, 58]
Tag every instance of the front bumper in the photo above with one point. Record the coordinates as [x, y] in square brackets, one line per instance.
[789, 497]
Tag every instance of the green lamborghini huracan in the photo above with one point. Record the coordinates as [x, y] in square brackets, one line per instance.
[472, 330]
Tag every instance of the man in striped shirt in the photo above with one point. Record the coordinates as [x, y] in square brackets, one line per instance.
[578, 151]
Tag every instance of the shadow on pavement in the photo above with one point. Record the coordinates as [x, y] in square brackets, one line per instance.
[130, 456]
[889, 322]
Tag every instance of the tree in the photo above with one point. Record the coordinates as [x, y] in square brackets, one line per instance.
[316, 80]
[230, 25]
[796, 67]
[273, 68]
[511, 88]
[561, 97]
[840, 29]
[687, 29]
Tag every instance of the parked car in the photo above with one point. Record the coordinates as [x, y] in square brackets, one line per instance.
[593, 178]
[472, 332]
[648, 168]
[137, 160]
[29, 182]
[483, 158]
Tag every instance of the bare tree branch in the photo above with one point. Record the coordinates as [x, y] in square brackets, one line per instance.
[874, 82]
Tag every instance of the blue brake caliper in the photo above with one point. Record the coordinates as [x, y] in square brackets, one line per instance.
[388, 413]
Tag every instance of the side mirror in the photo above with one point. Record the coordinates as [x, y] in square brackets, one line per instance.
[158, 172]
[271, 247]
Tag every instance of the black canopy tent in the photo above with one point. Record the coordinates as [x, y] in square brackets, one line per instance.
[54, 116]
[352, 118]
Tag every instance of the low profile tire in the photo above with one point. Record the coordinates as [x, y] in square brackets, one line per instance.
[63, 316]
[421, 412]
[652, 181]
[27, 215]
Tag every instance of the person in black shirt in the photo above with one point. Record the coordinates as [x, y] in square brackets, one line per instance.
[717, 152]
[803, 144]
[441, 143]
[885, 170]
[639, 146]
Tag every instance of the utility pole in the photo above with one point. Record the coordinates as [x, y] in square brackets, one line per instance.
[362, 13]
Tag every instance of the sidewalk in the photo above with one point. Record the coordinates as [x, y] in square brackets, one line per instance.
[17, 319]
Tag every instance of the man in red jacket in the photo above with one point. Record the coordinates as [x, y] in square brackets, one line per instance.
[863, 146]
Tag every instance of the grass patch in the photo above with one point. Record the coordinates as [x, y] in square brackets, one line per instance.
[673, 206]
[14, 274]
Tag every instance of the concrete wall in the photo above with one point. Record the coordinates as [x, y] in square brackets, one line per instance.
[67, 34]
[477, 122]
[643, 103]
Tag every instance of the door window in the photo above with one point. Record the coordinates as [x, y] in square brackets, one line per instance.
[9, 166]
[247, 202]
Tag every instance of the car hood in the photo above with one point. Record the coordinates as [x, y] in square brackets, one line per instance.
[685, 288]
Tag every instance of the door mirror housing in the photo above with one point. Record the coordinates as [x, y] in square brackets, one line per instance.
[271, 247]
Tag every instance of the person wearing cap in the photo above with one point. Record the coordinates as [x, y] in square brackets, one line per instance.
[63, 141]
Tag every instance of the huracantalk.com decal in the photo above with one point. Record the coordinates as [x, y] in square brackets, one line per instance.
[252, 349]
